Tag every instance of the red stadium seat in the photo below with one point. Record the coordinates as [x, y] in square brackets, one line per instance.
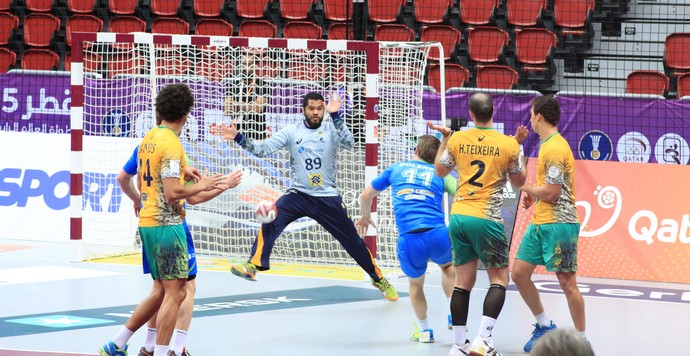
[431, 11]
[251, 9]
[384, 10]
[213, 27]
[295, 9]
[8, 24]
[7, 59]
[496, 77]
[302, 29]
[92, 62]
[477, 12]
[533, 46]
[572, 15]
[124, 63]
[257, 28]
[456, 76]
[122, 7]
[170, 25]
[208, 8]
[337, 10]
[341, 31]
[524, 13]
[126, 24]
[82, 23]
[5, 5]
[39, 5]
[647, 82]
[81, 6]
[393, 32]
[165, 7]
[676, 49]
[39, 29]
[486, 43]
[684, 85]
[40, 59]
[448, 36]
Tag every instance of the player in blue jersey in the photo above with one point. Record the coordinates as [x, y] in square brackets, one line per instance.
[313, 145]
[417, 195]
[184, 315]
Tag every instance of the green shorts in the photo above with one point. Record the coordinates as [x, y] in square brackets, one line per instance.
[474, 238]
[551, 245]
[165, 248]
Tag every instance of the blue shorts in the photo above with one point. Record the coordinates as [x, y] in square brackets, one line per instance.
[416, 249]
[191, 255]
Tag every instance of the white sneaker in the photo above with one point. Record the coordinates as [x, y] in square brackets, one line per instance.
[457, 350]
[483, 346]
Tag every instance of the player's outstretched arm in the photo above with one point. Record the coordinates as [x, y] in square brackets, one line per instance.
[444, 163]
[365, 201]
[259, 148]
[173, 190]
[230, 181]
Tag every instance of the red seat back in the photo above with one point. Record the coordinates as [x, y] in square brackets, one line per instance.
[81, 6]
[82, 23]
[431, 11]
[8, 24]
[337, 10]
[384, 10]
[448, 36]
[170, 25]
[40, 59]
[572, 13]
[164, 7]
[646, 82]
[341, 31]
[496, 77]
[455, 77]
[213, 27]
[486, 43]
[393, 32]
[302, 29]
[477, 12]
[676, 49]
[257, 28]
[532, 45]
[39, 29]
[7, 59]
[524, 12]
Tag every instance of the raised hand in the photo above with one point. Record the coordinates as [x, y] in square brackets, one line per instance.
[363, 223]
[445, 131]
[521, 134]
[227, 132]
[335, 100]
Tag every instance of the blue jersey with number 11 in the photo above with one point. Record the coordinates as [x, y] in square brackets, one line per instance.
[417, 194]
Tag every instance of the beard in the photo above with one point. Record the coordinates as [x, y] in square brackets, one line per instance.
[311, 124]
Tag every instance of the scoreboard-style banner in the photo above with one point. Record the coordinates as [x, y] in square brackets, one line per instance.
[635, 221]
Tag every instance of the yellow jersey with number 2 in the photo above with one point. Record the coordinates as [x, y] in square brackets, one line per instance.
[484, 158]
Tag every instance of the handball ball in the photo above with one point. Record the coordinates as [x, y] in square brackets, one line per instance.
[266, 211]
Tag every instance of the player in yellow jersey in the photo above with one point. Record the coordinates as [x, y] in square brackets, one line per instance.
[551, 238]
[161, 182]
[485, 160]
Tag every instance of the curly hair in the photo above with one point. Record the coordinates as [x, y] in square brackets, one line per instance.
[548, 107]
[173, 102]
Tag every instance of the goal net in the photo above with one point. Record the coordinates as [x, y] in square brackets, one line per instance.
[251, 82]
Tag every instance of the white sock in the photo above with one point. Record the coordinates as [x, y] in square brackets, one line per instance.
[459, 334]
[583, 334]
[178, 340]
[423, 324]
[122, 337]
[150, 340]
[161, 350]
[486, 326]
[543, 319]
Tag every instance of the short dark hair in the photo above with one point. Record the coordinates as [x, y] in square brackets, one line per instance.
[311, 96]
[427, 146]
[482, 106]
[548, 107]
[562, 342]
[173, 102]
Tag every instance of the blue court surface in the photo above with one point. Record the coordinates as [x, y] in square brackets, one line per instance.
[55, 307]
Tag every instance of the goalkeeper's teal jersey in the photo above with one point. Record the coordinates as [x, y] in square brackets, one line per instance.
[313, 153]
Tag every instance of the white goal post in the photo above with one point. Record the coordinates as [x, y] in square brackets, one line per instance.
[114, 81]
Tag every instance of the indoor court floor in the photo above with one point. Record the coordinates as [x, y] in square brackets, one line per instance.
[51, 306]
